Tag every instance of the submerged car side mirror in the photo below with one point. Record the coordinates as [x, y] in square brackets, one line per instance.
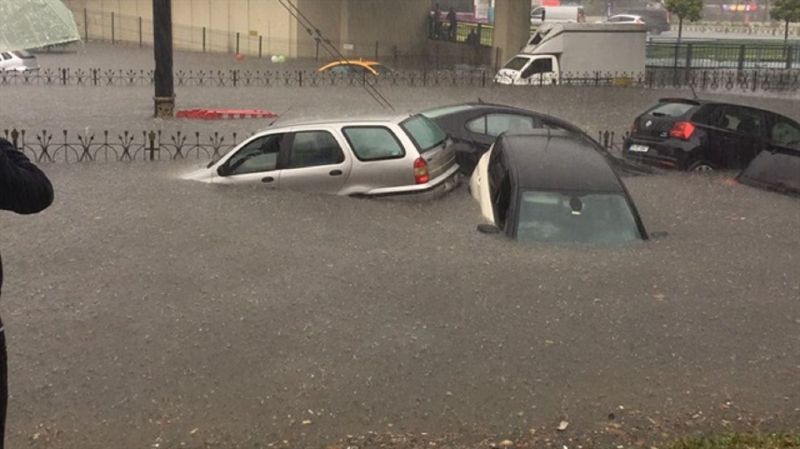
[484, 228]
[222, 170]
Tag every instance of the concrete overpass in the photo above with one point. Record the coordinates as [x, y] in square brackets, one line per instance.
[355, 27]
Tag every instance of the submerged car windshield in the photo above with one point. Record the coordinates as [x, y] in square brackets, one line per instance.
[424, 132]
[671, 109]
[603, 218]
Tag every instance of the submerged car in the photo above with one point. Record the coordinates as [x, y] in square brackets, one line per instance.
[374, 68]
[698, 135]
[18, 61]
[551, 186]
[402, 155]
[473, 127]
[776, 169]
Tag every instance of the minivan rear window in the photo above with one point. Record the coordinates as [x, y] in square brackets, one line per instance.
[424, 132]
[672, 109]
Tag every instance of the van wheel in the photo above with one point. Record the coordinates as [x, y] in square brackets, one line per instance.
[701, 167]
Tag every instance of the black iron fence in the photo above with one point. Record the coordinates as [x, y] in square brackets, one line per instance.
[720, 55]
[730, 80]
[63, 146]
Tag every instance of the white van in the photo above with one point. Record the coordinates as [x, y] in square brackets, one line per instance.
[557, 14]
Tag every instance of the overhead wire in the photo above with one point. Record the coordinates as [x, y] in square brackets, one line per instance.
[331, 49]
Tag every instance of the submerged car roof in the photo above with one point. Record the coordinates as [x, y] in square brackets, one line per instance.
[557, 160]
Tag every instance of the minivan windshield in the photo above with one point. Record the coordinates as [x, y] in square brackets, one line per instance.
[425, 133]
[561, 217]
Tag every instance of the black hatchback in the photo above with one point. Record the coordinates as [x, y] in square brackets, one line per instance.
[699, 135]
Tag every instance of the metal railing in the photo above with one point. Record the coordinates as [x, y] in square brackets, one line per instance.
[712, 79]
[63, 146]
[45, 146]
[720, 55]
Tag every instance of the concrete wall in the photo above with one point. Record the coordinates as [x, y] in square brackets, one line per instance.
[359, 23]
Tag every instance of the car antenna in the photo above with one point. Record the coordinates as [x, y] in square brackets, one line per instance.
[279, 116]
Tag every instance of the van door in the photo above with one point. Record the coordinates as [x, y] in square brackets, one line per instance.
[541, 70]
[315, 162]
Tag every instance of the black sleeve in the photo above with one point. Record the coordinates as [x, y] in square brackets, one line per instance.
[24, 189]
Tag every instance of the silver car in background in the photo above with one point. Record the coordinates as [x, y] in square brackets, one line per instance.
[402, 155]
[18, 61]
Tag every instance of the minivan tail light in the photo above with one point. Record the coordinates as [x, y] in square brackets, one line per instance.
[421, 175]
[682, 130]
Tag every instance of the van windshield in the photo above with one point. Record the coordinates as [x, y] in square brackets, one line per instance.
[517, 63]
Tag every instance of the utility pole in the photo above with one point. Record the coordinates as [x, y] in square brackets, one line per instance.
[162, 50]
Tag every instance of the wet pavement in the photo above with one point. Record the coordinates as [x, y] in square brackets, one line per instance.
[147, 311]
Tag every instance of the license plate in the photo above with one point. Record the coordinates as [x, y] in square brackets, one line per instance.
[639, 148]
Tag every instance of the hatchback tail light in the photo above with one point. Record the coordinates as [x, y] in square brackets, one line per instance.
[682, 130]
[421, 175]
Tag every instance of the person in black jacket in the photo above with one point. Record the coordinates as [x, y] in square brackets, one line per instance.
[24, 189]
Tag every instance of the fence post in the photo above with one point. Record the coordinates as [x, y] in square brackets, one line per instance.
[688, 56]
[376, 50]
[755, 80]
[204, 39]
[140, 32]
[64, 77]
[235, 76]
[260, 45]
[316, 51]
[237, 42]
[15, 138]
[742, 50]
[789, 51]
[300, 78]
[152, 148]
[112, 28]
[94, 76]
[85, 24]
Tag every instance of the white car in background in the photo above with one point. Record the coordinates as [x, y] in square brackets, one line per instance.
[18, 61]
[626, 18]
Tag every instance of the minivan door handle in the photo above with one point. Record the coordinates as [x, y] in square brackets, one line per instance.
[335, 173]
[267, 179]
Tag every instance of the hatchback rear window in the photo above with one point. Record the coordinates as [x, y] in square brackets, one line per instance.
[23, 54]
[424, 132]
[671, 109]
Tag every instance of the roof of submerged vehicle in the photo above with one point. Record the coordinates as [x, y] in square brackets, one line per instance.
[557, 160]
[337, 122]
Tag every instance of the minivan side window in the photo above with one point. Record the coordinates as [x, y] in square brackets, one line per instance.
[373, 143]
[5, 56]
[741, 120]
[784, 132]
[312, 148]
[258, 155]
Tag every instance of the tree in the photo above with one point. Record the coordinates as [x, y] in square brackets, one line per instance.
[685, 9]
[787, 11]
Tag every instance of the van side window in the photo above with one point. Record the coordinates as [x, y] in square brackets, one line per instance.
[373, 143]
[784, 132]
[258, 155]
[543, 65]
[312, 148]
[5, 56]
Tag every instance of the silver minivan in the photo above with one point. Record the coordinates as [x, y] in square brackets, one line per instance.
[402, 155]
[18, 61]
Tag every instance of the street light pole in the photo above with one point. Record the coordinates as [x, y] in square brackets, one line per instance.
[162, 50]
